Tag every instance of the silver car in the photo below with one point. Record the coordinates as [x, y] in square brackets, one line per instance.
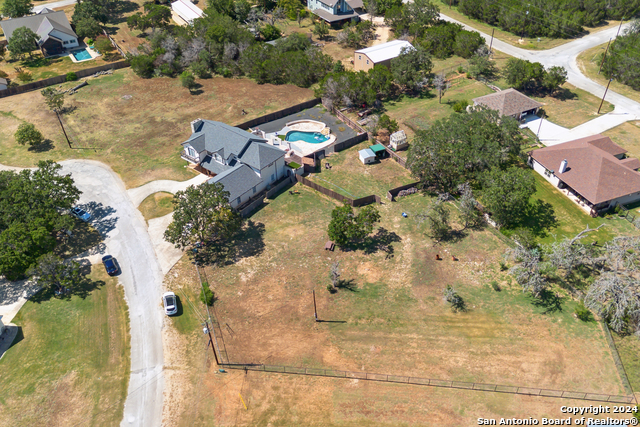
[170, 303]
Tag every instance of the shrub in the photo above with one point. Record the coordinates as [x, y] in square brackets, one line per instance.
[495, 286]
[452, 297]
[3, 74]
[28, 134]
[388, 123]
[460, 106]
[583, 312]
[503, 266]
[71, 77]
[206, 294]
[461, 69]
[330, 288]
[89, 41]
[25, 76]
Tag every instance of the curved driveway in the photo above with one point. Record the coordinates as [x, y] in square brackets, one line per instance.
[566, 56]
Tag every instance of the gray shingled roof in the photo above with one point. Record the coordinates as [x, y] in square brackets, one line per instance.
[237, 181]
[329, 17]
[212, 166]
[57, 20]
[229, 141]
[47, 25]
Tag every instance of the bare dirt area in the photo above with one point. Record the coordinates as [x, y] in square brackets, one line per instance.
[387, 316]
[136, 125]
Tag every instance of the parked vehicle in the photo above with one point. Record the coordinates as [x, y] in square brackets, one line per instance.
[170, 303]
[81, 214]
[110, 264]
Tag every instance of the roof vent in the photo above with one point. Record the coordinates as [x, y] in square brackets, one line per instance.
[563, 166]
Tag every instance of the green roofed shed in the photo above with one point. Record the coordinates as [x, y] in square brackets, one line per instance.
[378, 150]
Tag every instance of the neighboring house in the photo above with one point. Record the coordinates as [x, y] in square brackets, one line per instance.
[367, 156]
[509, 102]
[380, 54]
[593, 171]
[244, 163]
[335, 11]
[3, 83]
[186, 10]
[54, 32]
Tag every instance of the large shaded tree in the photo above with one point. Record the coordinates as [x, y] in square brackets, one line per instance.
[32, 211]
[16, 8]
[506, 193]
[203, 215]
[346, 227]
[22, 41]
[458, 148]
[52, 271]
[411, 68]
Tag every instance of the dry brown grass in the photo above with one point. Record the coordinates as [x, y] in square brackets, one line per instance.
[627, 135]
[140, 136]
[395, 322]
[156, 205]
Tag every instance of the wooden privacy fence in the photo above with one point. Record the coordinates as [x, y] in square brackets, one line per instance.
[61, 79]
[349, 142]
[395, 156]
[278, 114]
[400, 379]
[367, 200]
[393, 193]
[113, 42]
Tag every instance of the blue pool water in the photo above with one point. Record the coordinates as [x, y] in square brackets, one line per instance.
[310, 137]
[81, 55]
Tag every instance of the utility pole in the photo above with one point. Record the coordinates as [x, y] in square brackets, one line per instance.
[619, 27]
[449, 4]
[315, 310]
[604, 56]
[207, 330]
[491, 44]
[605, 94]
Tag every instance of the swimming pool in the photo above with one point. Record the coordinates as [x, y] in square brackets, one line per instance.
[81, 55]
[310, 137]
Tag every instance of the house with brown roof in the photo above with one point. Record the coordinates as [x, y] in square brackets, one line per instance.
[593, 171]
[509, 102]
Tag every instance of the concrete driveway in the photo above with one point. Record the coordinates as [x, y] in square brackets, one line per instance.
[53, 5]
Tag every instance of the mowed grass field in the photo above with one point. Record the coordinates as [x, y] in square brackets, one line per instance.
[349, 177]
[156, 205]
[136, 125]
[389, 317]
[70, 363]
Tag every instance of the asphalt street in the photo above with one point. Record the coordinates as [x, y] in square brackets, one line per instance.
[127, 239]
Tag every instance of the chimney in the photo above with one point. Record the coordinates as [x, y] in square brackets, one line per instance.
[563, 166]
[194, 125]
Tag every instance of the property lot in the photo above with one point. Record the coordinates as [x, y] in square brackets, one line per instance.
[318, 113]
[69, 364]
[136, 125]
[387, 316]
[349, 177]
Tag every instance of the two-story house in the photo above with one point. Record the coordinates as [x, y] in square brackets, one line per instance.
[54, 32]
[335, 11]
[244, 163]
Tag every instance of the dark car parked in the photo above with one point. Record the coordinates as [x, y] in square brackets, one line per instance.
[110, 264]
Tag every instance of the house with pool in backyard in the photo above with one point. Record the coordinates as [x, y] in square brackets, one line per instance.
[247, 163]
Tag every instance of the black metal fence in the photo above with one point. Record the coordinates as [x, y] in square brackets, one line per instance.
[401, 379]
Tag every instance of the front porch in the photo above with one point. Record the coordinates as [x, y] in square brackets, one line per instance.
[576, 198]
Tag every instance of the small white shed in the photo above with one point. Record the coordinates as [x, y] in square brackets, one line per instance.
[367, 156]
[398, 140]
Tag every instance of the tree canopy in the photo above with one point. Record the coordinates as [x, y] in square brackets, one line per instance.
[411, 67]
[507, 193]
[28, 134]
[532, 77]
[32, 206]
[16, 8]
[347, 228]
[623, 58]
[458, 148]
[22, 41]
[202, 214]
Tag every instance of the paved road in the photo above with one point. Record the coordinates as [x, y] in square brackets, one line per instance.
[127, 239]
[53, 5]
[566, 56]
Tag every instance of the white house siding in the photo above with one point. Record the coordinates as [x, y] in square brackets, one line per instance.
[541, 170]
[273, 172]
[70, 40]
[631, 198]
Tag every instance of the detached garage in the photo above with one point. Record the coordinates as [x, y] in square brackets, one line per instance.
[367, 156]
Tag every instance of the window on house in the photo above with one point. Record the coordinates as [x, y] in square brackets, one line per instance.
[367, 62]
[547, 172]
[359, 57]
[191, 152]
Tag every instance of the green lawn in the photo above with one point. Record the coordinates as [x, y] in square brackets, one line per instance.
[349, 177]
[156, 205]
[627, 135]
[70, 362]
[571, 219]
